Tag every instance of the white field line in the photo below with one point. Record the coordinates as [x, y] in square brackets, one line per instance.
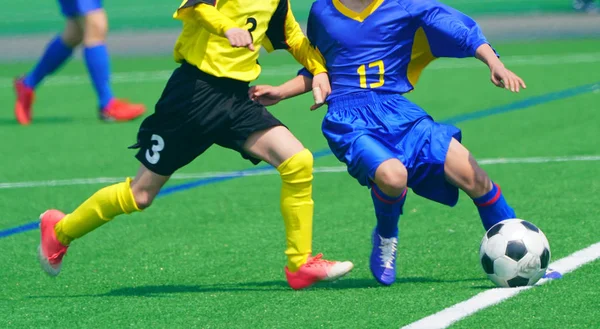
[270, 171]
[448, 316]
[290, 70]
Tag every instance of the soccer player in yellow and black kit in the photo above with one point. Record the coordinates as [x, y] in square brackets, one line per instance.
[206, 102]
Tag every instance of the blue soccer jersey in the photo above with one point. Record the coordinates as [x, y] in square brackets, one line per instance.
[386, 47]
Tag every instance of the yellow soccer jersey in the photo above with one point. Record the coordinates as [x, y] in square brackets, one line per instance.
[203, 43]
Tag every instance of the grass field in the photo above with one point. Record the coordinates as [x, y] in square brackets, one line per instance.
[212, 256]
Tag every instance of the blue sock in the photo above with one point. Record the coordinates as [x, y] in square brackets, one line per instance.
[98, 65]
[493, 208]
[388, 211]
[56, 54]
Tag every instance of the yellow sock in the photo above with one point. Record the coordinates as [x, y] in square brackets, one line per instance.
[297, 207]
[100, 208]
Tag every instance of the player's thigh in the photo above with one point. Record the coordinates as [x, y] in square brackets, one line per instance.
[463, 171]
[273, 145]
[146, 185]
[255, 133]
[369, 157]
[364, 155]
[187, 118]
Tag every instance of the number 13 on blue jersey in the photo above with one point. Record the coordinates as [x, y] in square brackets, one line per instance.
[362, 73]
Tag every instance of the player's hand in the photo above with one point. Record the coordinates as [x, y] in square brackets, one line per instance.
[239, 38]
[504, 78]
[264, 94]
[321, 90]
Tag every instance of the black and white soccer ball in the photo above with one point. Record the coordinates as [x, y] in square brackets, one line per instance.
[514, 253]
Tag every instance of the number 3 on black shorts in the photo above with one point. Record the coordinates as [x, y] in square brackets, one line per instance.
[153, 155]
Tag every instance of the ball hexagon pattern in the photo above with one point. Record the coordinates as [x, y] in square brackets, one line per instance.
[514, 253]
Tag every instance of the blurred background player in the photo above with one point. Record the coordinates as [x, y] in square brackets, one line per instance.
[206, 102]
[387, 142]
[86, 23]
[588, 6]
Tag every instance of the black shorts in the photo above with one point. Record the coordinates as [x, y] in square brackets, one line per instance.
[195, 111]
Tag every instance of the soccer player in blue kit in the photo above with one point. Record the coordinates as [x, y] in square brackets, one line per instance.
[87, 24]
[374, 52]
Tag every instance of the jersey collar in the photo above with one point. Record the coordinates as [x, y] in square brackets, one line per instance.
[360, 17]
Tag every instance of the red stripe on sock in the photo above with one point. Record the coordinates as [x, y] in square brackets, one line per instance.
[384, 200]
[492, 200]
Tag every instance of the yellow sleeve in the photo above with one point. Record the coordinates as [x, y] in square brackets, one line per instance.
[205, 12]
[284, 33]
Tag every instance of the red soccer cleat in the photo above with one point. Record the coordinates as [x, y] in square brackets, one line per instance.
[25, 96]
[317, 269]
[50, 251]
[121, 110]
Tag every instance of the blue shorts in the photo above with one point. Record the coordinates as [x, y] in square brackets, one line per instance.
[365, 129]
[75, 8]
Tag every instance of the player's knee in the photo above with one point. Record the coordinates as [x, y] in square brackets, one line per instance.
[143, 198]
[96, 28]
[391, 177]
[303, 161]
[72, 36]
[298, 168]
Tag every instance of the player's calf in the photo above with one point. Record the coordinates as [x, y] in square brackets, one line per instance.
[280, 148]
[462, 170]
[388, 193]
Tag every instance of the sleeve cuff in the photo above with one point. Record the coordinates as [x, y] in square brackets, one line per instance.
[478, 44]
[305, 73]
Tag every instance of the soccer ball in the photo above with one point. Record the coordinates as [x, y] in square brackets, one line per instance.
[514, 253]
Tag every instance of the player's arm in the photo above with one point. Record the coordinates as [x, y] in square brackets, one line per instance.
[270, 95]
[205, 12]
[284, 33]
[500, 75]
[451, 33]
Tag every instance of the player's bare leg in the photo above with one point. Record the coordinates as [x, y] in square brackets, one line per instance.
[391, 177]
[95, 27]
[72, 35]
[59, 230]
[388, 194]
[281, 149]
[462, 170]
[146, 185]
[57, 52]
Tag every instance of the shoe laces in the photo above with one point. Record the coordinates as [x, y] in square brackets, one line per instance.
[317, 261]
[388, 247]
[57, 256]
